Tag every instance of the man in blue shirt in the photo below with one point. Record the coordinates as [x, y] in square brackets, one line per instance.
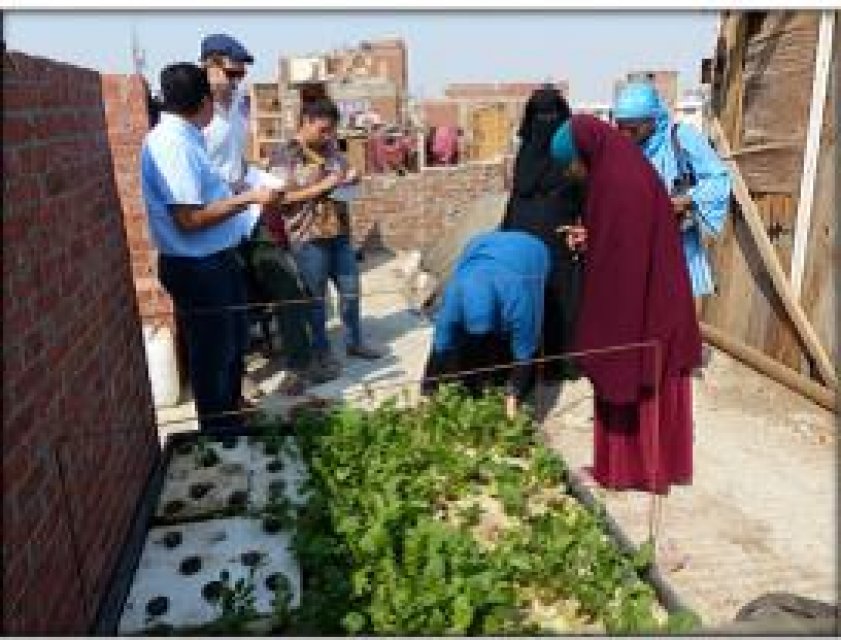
[193, 223]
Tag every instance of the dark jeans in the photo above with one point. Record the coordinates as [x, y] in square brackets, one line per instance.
[275, 276]
[216, 336]
[334, 259]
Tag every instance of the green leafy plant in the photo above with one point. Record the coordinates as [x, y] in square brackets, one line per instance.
[236, 603]
[380, 549]
[204, 455]
[272, 442]
[279, 512]
[281, 601]
[471, 515]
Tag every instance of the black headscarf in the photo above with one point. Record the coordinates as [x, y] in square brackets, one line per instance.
[541, 200]
[535, 173]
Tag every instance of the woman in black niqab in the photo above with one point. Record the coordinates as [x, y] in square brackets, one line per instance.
[543, 199]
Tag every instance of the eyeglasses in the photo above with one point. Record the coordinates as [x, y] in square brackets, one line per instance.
[233, 74]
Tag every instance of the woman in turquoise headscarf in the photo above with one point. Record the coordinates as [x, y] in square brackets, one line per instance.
[697, 180]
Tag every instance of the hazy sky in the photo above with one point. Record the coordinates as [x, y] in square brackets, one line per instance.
[589, 49]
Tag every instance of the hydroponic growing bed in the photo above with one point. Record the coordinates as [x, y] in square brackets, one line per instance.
[446, 518]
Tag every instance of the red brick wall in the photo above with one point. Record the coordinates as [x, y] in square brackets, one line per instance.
[412, 211]
[75, 389]
[127, 120]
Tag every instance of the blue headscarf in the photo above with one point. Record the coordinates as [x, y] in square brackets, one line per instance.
[639, 101]
[562, 147]
[711, 193]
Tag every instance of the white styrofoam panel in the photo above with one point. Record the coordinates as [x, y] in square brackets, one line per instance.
[230, 475]
[219, 543]
[293, 473]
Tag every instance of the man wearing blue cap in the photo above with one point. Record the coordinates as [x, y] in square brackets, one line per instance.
[698, 182]
[225, 59]
[268, 264]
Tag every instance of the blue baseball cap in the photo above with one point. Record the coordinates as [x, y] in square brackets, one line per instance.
[223, 44]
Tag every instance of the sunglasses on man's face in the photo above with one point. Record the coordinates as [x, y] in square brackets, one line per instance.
[234, 74]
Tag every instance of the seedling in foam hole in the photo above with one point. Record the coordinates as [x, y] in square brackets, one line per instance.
[173, 506]
[184, 449]
[279, 513]
[238, 500]
[172, 539]
[280, 586]
[200, 489]
[236, 603]
[205, 455]
[230, 442]
[252, 558]
[274, 466]
[277, 488]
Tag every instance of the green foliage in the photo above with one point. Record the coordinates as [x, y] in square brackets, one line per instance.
[279, 512]
[683, 622]
[382, 555]
[236, 604]
[472, 514]
[281, 603]
[644, 556]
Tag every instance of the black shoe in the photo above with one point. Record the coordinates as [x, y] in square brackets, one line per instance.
[364, 351]
[323, 368]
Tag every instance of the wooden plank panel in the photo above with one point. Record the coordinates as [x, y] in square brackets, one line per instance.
[722, 252]
[828, 369]
[761, 295]
[735, 31]
[820, 281]
[781, 342]
[747, 306]
[778, 69]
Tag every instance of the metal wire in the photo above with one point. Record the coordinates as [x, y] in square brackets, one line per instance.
[278, 302]
[369, 389]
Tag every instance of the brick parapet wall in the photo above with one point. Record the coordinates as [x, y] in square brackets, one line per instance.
[412, 211]
[79, 436]
[127, 120]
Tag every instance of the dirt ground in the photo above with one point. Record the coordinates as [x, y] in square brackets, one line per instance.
[760, 515]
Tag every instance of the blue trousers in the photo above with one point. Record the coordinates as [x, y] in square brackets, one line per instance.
[333, 259]
[216, 337]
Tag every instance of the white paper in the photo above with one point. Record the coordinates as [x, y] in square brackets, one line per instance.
[255, 177]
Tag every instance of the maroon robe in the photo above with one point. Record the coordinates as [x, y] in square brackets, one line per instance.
[635, 289]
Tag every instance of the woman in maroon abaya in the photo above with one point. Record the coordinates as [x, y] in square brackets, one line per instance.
[635, 289]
